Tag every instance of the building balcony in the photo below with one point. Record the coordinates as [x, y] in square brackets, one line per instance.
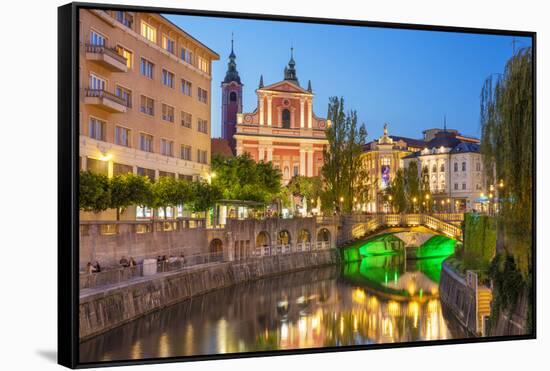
[104, 100]
[106, 57]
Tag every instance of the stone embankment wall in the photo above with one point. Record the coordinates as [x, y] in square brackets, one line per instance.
[513, 322]
[102, 310]
[459, 298]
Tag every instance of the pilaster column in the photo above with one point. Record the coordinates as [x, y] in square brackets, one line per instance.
[309, 114]
[239, 147]
[302, 113]
[269, 153]
[302, 161]
[84, 163]
[269, 112]
[261, 109]
[261, 153]
[110, 169]
[310, 162]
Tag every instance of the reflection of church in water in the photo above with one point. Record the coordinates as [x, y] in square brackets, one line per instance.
[282, 129]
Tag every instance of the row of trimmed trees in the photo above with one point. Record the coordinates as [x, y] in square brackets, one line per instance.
[99, 193]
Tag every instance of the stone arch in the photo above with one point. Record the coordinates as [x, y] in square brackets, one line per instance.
[304, 236]
[263, 239]
[323, 235]
[283, 237]
[216, 246]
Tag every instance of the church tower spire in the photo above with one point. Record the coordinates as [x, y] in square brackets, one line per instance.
[232, 91]
[290, 71]
[232, 74]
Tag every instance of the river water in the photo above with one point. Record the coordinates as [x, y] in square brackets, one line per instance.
[382, 299]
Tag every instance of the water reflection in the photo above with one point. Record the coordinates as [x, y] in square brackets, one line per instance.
[378, 300]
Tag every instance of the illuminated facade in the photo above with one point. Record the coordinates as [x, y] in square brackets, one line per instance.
[144, 96]
[284, 129]
[455, 168]
[382, 158]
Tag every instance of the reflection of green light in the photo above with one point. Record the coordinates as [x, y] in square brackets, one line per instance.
[395, 277]
[436, 246]
[386, 244]
[386, 278]
[420, 293]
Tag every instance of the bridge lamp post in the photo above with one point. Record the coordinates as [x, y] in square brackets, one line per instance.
[414, 204]
[390, 203]
[428, 200]
[448, 205]
[341, 204]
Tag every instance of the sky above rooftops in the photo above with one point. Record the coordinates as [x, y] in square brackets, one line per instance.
[410, 79]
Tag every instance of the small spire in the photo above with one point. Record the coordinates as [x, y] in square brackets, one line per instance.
[261, 85]
[232, 53]
[232, 74]
[445, 123]
[290, 71]
[309, 86]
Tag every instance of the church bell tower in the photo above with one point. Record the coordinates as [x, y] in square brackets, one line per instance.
[232, 90]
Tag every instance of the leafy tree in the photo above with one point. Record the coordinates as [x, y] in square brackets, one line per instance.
[94, 192]
[344, 174]
[425, 189]
[308, 188]
[121, 196]
[507, 149]
[241, 178]
[412, 186]
[398, 192]
[165, 193]
[205, 195]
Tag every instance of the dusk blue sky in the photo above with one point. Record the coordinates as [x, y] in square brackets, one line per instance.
[408, 78]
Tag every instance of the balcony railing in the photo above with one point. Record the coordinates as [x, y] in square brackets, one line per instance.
[105, 100]
[106, 56]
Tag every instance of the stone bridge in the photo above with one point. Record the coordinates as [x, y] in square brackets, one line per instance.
[360, 226]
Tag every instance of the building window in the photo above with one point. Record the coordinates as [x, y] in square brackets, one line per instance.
[202, 126]
[97, 39]
[434, 168]
[186, 55]
[170, 175]
[97, 166]
[96, 129]
[478, 186]
[186, 87]
[232, 96]
[168, 44]
[119, 169]
[126, 54]
[202, 63]
[167, 113]
[478, 166]
[185, 153]
[149, 32]
[202, 156]
[456, 186]
[149, 173]
[147, 105]
[122, 136]
[463, 185]
[125, 18]
[202, 95]
[186, 119]
[147, 68]
[167, 78]
[166, 147]
[97, 83]
[296, 170]
[455, 167]
[442, 168]
[125, 94]
[146, 142]
[286, 118]
[464, 166]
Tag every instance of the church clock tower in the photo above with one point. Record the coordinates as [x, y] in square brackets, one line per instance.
[232, 91]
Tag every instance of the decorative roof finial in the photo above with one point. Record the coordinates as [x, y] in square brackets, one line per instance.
[309, 86]
[261, 85]
[386, 129]
[445, 123]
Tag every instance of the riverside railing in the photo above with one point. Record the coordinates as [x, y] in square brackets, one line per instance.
[272, 250]
[114, 275]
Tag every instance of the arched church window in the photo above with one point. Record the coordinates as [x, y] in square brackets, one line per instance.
[232, 96]
[286, 119]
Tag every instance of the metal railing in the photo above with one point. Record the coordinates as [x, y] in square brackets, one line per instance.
[272, 250]
[114, 275]
[102, 93]
[111, 227]
[103, 49]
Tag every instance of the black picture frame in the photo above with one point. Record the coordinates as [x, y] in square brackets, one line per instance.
[68, 151]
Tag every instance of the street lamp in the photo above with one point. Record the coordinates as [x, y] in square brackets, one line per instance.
[414, 204]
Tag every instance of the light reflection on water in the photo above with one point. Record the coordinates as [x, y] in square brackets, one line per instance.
[379, 300]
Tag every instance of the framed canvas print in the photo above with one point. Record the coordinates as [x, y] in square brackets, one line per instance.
[240, 185]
